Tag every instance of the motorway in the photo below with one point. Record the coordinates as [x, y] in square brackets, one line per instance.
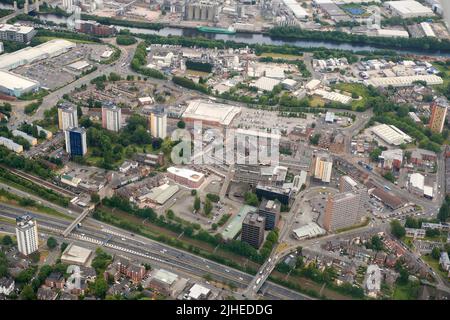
[92, 231]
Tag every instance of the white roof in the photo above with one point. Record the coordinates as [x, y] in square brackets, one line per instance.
[426, 27]
[76, 254]
[392, 33]
[392, 154]
[404, 80]
[209, 111]
[373, 281]
[186, 173]
[266, 84]
[197, 290]
[79, 65]
[289, 82]
[391, 134]
[350, 181]
[165, 276]
[310, 230]
[275, 72]
[409, 8]
[12, 81]
[312, 84]
[417, 180]
[296, 8]
[31, 54]
[428, 191]
[15, 28]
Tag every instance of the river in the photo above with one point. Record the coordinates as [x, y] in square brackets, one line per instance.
[251, 38]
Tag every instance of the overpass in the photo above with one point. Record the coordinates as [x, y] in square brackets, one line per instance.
[75, 222]
[31, 7]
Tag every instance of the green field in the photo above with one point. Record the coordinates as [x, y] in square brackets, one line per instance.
[281, 56]
[357, 88]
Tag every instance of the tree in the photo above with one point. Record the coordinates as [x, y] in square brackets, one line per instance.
[376, 243]
[170, 214]
[64, 246]
[197, 203]
[95, 198]
[100, 287]
[181, 124]
[397, 229]
[27, 293]
[7, 241]
[389, 176]
[436, 253]
[374, 154]
[51, 243]
[207, 207]
[193, 192]
[251, 199]
[314, 140]
[444, 212]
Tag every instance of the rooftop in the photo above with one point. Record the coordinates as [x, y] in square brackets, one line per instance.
[213, 112]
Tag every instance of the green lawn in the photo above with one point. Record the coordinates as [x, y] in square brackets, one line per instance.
[281, 56]
[357, 88]
[401, 293]
[435, 265]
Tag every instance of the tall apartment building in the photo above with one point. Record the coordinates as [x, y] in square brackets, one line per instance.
[16, 33]
[322, 169]
[158, 123]
[270, 210]
[27, 234]
[343, 210]
[438, 113]
[111, 117]
[67, 116]
[253, 229]
[76, 141]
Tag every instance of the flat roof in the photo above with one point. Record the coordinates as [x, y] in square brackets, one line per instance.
[197, 290]
[12, 81]
[4, 27]
[409, 7]
[186, 173]
[266, 84]
[31, 54]
[235, 225]
[161, 194]
[391, 134]
[310, 230]
[211, 111]
[403, 81]
[76, 254]
[79, 65]
[165, 276]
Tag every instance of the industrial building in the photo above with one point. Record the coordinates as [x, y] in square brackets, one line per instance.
[408, 9]
[76, 141]
[333, 96]
[29, 55]
[266, 84]
[111, 117]
[439, 109]
[161, 194]
[11, 145]
[344, 210]
[158, 123]
[392, 33]
[253, 229]
[270, 210]
[417, 186]
[16, 85]
[322, 169]
[67, 116]
[186, 177]
[391, 159]
[311, 230]
[298, 11]
[27, 234]
[16, 33]
[201, 10]
[391, 134]
[404, 81]
[210, 113]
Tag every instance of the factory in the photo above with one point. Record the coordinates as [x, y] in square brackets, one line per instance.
[408, 9]
[417, 186]
[210, 113]
[311, 230]
[391, 134]
[16, 85]
[296, 9]
[266, 84]
[200, 10]
[17, 33]
[392, 33]
[404, 81]
[28, 55]
[332, 96]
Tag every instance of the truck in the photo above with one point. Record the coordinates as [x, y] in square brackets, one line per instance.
[258, 281]
[387, 188]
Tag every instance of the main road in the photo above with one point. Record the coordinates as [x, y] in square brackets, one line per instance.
[94, 232]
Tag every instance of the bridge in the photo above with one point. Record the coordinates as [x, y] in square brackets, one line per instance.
[28, 7]
[75, 222]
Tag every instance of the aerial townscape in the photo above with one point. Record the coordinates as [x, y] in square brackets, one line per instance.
[224, 150]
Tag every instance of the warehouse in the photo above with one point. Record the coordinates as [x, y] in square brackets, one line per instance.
[16, 85]
[333, 96]
[404, 81]
[308, 231]
[391, 134]
[28, 55]
[266, 84]
[392, 33]
[296, 9]
[408, 9]
[161, 194]
[210, 113]
[427, 30]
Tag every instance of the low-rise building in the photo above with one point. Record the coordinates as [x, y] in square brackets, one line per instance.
[186, 177]
[373, 280]
[7, 286]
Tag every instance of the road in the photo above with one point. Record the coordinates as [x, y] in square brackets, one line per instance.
[93, 231]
